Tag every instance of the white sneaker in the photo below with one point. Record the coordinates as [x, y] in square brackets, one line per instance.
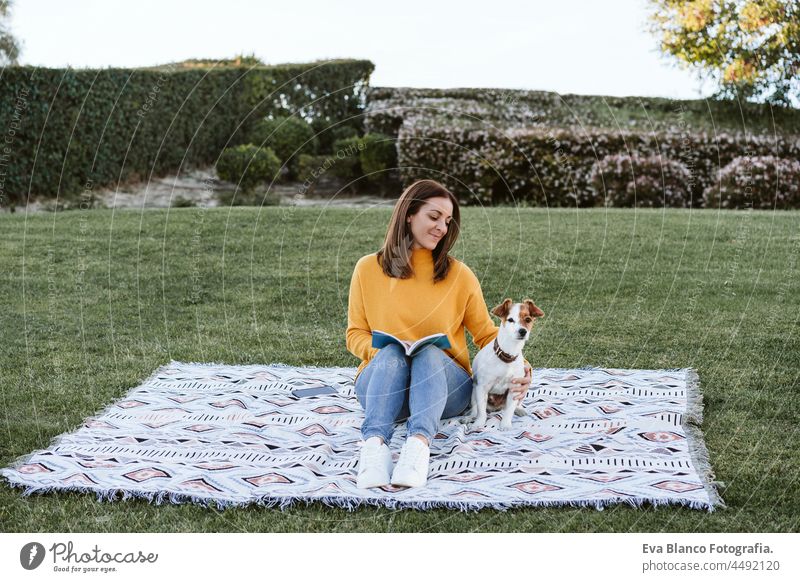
[374, 465]
[412, 466]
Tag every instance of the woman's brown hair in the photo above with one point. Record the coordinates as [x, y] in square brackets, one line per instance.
[395, 255]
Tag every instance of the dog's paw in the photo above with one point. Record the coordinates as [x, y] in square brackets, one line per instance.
[505, 426]
[519, 411]
[477, 425]
[466, 419]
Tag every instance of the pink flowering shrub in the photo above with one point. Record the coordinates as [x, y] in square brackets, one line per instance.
[756, 182]
[631, 180]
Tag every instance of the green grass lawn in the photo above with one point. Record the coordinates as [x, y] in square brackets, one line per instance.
[93, 302]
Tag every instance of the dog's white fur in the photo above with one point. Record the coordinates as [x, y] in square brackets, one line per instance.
[491, 375]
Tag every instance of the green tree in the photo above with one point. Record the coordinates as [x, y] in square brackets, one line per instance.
[9, 47]
[749, 48]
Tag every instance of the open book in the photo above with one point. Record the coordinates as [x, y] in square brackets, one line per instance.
[381, 339]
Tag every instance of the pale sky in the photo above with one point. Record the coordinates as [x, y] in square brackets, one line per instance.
[568, 46]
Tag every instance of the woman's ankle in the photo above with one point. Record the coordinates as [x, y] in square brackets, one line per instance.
[423, 438]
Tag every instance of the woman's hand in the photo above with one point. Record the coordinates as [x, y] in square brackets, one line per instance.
[519, 387]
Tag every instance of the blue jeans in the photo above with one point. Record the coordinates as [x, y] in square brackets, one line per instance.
[424, 389]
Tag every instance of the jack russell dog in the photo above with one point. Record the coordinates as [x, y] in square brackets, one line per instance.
[499, 362]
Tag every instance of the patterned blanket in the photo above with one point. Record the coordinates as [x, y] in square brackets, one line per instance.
[235, 435]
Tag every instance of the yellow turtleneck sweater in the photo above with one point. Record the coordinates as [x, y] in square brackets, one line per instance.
[413, 308]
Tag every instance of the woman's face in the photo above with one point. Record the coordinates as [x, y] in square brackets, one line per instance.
[431, 222]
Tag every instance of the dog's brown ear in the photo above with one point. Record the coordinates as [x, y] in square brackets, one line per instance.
[532, 309]
[502, 310]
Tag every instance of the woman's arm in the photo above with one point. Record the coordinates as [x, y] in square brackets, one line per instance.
[477, 320]
[520, 385]
[359, 334]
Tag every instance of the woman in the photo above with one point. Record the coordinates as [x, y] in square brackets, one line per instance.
[411, 288]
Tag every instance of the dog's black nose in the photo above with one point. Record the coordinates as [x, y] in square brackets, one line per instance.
[523, 332]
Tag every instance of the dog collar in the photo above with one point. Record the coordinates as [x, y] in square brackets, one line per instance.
[507, 358]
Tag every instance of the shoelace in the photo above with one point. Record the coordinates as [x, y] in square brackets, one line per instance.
[370, 454]
[406, 458]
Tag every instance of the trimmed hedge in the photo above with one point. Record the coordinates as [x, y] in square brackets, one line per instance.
[68, 131]
[630, 181]
[372, 156]
[389, 107]
[347, 154]
[379, 157]
[288, 137]
[756, 182]
[327, 133]
[497, 146]
[248, 165]
[553, 167]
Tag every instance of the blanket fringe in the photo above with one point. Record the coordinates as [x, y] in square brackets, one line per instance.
[350, 503]
[697, 447]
